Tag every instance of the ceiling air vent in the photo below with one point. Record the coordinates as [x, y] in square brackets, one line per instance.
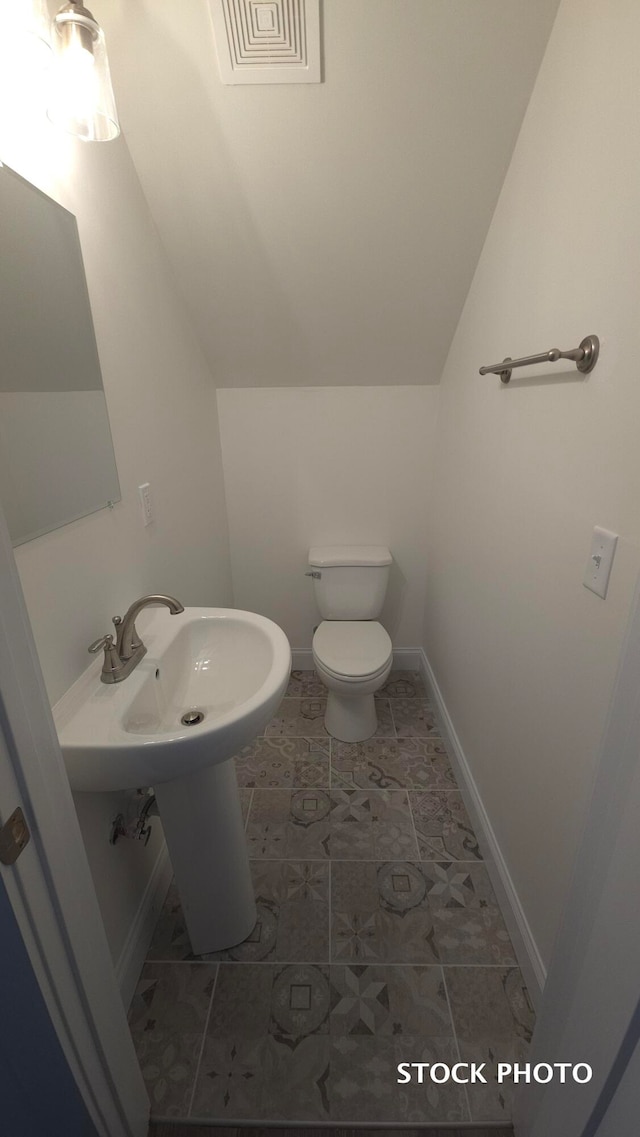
[267, 41]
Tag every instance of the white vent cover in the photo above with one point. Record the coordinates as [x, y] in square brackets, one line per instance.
[267, 41]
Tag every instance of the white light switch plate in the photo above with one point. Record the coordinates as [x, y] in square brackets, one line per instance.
[146, 506]
[598, 570]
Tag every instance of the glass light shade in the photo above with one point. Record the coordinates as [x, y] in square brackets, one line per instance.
[25, 35]
[82, 100]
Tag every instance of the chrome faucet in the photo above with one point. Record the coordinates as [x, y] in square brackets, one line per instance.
[121, 657]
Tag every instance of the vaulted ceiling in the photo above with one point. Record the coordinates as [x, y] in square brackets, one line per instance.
[328, 233]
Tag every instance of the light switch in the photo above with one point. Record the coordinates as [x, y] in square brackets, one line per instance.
[598, 570]
[146, 506]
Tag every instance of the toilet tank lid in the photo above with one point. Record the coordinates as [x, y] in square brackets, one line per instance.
[330, 556]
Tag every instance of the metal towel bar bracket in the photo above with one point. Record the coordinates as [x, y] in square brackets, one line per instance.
[585, 358]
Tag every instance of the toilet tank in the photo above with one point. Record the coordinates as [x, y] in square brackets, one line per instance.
[351, 581]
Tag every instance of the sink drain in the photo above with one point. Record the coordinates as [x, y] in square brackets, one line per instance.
[192, 718]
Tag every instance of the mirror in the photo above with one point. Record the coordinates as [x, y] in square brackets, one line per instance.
[56, 455]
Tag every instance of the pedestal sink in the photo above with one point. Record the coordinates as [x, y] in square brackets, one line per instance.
[209, 683]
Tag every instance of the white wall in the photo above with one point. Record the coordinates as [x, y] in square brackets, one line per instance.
[164, 431]
[309, 466]
[524, 655]
[326, 234]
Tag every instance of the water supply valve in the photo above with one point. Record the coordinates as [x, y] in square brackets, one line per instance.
[134, 825]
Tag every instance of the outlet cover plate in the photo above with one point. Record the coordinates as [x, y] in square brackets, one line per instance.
[598, 570]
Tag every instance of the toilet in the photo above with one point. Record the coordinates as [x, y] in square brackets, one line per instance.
[352, 652]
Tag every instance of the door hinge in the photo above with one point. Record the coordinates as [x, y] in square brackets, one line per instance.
[14, 835]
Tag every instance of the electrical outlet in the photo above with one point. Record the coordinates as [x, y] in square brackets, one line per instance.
[145, 503]
[598, 570]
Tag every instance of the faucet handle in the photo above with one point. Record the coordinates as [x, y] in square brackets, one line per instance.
[111, 663]
[105, 641]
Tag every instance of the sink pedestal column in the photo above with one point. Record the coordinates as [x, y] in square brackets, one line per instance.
[202, 821]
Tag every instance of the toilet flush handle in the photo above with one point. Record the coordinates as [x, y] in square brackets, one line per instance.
[315, 575]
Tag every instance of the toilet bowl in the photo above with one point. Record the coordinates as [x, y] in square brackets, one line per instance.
[353, 659]
[352, 652]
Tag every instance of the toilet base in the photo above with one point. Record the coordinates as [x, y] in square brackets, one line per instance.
[351, 719]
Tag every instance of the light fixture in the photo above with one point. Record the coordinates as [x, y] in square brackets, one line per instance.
[82, 99]
[25, 42]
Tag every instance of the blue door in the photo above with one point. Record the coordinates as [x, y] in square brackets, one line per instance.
[38, 1095]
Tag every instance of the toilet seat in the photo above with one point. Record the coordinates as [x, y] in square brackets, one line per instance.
[352, 650]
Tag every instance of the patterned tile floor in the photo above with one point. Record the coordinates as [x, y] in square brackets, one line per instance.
[379, 940]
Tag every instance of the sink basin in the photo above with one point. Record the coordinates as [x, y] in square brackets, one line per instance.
[209, 683]
[231, 667]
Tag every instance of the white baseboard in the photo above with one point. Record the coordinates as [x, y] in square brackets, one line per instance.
[525, 947]
[407, 658]
[135, 947]
[404, 659]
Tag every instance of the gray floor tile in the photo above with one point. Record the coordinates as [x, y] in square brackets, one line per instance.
[380, 912]
[306, 685]
[267, 1047]
[407, 763]
[293, 918]
[385, 727]
[371, 824]
[399, 685]
[299, 718]
[389, 1001]
[253, 1000]
[292, 762]
[242, 1004]
[345, 824]
[407, 912]
[245, 801]
[468, 924]
[292, 1038]
[494, 1020]
[292, 899]
[167, 1019]
[304, 718]
[443, 827]
[404, 685]
[296, 1078]
[317, 1044]
[289, 824]
[170, 939]
[430, 1102]
[414, 718]
[231, 1079]
[363, 1084]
